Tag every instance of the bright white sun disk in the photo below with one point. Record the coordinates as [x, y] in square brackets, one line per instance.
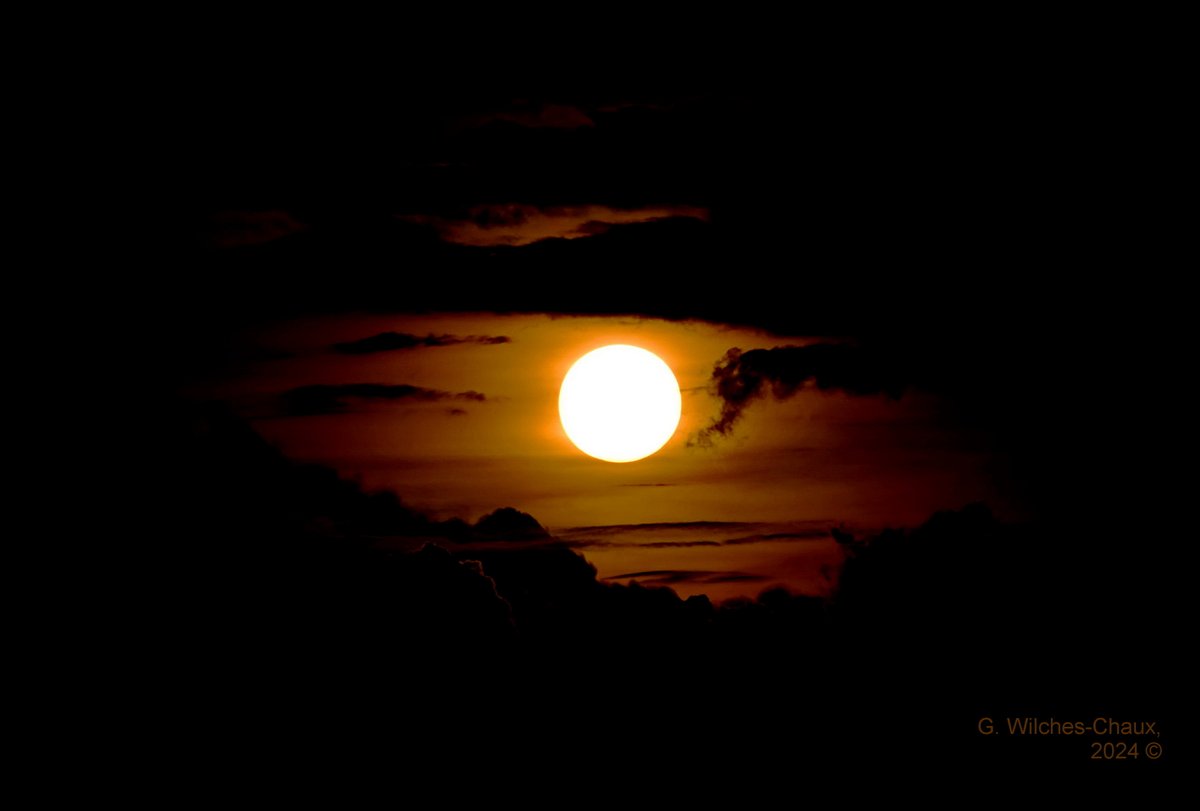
[620, 403]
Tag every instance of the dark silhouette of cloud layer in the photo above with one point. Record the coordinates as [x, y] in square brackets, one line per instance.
[601, 541]
[514, 224]
[682, 535]
[777, 537]
[238, 228]
[331, 399]
[740, 377]
[509, 524]
[612, 529]
[667, 577]
[390, 341]
[531, 114]
[276, 580]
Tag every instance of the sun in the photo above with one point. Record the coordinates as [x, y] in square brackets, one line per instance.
[620, 403]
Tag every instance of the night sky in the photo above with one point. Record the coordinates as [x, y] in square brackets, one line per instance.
[925, 371]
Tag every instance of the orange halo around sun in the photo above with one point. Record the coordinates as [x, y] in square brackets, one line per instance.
[620, 403]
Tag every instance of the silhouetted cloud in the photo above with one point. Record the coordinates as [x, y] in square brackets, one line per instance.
[666, 577]
[593, 228]
[965, 579]
[330, 399]
[740, 377]
[518, 224]
[650, 536]
[509, 524]
[774, 537]
[842, 537]
[231, 229]
[277, 555]
[734, 577]
[806, 535]
[270, 542]
[610, 529]
[389, 341]
[530, 114]
[586, 543]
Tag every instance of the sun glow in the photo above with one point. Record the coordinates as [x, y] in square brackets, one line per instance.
[620, 403]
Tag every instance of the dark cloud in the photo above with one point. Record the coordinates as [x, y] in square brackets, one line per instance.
[945, 185]
[533, 114]
[774, 537]
[261, 559]
[500, 215]
[593, 227]
[509, 524]
[806, 535]
[666, 577]
[277, 581]
[965, 579]
[740, 377]
[516, 224]
[303, 543]
[584, 543]
[907, 312]
[330, 399]
[388, 341]
[269, 281]
[658, 573]
[231, 229]
[648, 484]
[627, 534]
[842, 537]
[611, 529]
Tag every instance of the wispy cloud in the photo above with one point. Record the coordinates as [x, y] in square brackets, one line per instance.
[325, 399]
[521, 224]
[685, 534]
[666, 577]
[610, 529]
[740, 377]
[391, 341]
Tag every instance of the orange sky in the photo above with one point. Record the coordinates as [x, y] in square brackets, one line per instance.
[791, 468]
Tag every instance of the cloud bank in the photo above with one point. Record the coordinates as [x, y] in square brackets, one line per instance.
[391, 341]
[328, 399]
[740, 377]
